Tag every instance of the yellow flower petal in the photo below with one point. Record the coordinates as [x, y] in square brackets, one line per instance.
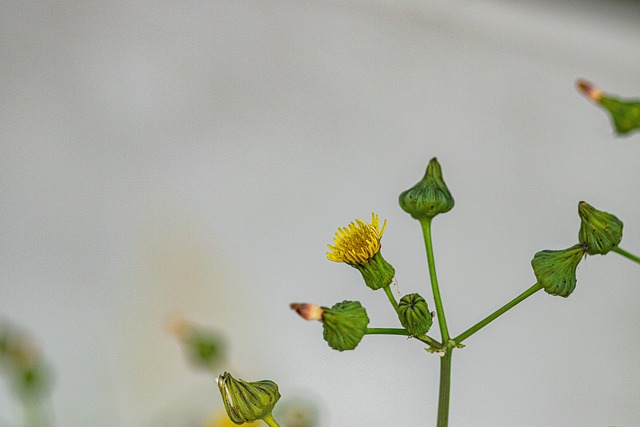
[358, 242]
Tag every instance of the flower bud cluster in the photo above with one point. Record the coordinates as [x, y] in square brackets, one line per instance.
[600, 232]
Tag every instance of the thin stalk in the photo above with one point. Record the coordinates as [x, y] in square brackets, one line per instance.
[270, 421]
[442, 321]
[493, 316]
[392, 299]
[445, 389]
[400, 331]
[626, 254]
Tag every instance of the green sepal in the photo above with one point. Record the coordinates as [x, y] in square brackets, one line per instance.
[599, 231]
[344, 325]
[556, 270]
[429, 197]
[625, 115]
[414, 314]
[377, 272]
[246, 402]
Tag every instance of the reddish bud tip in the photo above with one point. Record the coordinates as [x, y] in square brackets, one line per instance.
[308, 311]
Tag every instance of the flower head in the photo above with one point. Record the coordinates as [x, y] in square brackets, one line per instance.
[344, 325]
[205, 348]
[414, 314]
[556, 270]
[358, 245]
[358, 242]
[429, 197]
[247, 401]
[625, 113]
[599, 231]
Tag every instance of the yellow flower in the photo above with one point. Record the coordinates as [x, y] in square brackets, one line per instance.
[221, 419]
[357, 243]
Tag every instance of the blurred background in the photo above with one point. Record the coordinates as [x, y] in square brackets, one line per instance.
[161, 157]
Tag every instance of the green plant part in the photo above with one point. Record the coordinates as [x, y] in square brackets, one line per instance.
[358, 245]
[414, 314]
[248, 401]
[204, 348]
[556, 270]
[599, 231]
[344, 325]
[429, 197]
[625, 114]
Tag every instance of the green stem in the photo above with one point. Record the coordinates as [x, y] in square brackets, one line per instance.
[493, 316]
[387, 331]
[626, 254]
[445, 389]
[270, 421]
[392, 299]
[442, 321]
[400, 331]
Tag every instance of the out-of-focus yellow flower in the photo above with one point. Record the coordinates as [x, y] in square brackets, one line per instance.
[358, 242]
[221, 419]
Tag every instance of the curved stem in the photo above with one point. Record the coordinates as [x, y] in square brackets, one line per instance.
[442, 321]
[445, 389]
[493, 316]
[392, 299]
[626, 254]
[400, 331]
[270, 421]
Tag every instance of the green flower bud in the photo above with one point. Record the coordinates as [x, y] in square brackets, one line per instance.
[556, 270]
[344, 325]
[599, 231]
[429, 197]
[414, 314]
[29, 375]
[247, 401]
[204, 348]
[625, 114]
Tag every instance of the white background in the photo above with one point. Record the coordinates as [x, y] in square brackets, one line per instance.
[197, 157]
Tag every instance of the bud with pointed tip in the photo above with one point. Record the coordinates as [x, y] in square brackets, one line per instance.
[625, 114]
[205, 348]
[429, 197]
[308, 311]
[414, 314]
[599, 231]
[344, 325]
[556, 270]
[247, 401]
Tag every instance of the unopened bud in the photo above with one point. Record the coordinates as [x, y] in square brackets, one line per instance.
[308, 311]
[247, 401]
[599, 231]
[556, 270]
[414, 314]
[204, 348]
[429, 197]
[625, 114]
[344, 325]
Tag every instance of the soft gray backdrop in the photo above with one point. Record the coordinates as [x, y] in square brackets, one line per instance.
[196, 157]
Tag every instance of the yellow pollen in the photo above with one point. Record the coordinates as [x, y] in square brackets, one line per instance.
[358, 242]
